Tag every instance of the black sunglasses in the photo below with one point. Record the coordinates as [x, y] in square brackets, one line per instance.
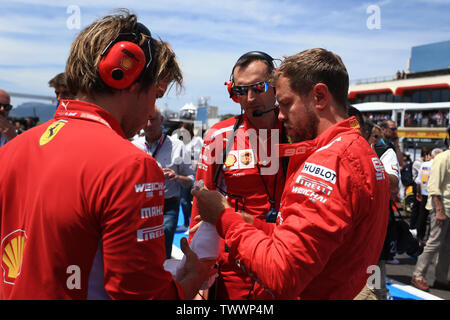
[258, 87]
[6, 106]
[132, 37]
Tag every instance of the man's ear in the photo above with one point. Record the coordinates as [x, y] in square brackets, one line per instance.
[134, 87]
[321, 96]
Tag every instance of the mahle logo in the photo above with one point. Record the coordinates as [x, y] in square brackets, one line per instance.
[51, 132]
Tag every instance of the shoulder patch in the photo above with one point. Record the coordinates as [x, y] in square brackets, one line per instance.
[51, 132]
[320, 172]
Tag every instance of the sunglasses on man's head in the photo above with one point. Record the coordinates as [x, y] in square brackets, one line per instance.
[6, 106]
[258, 87]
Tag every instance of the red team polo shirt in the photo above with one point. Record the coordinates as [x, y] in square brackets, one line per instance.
[70, 187]
[251, 176]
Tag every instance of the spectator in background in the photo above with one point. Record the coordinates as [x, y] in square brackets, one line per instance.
[424, 156]
[390, 138]
[61, 90]
[422, 193]
[439, 239]
[390, 164]
[171, 155]
[193, 144]
[7, 129]
[372, 133]
[29, 123]
[406, 176]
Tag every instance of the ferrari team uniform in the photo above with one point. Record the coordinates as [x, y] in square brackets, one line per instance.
[73, 189]
[332, 222]
[251, 178]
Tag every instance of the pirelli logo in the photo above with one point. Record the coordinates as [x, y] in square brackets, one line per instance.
[314, 184]
[150, 233]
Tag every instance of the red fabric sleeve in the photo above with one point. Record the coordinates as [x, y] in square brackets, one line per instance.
[286, 261]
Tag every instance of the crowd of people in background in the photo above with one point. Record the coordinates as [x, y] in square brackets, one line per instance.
[426, 234]
[414, 119]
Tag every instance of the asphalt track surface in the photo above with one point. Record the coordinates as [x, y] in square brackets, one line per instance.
[403, 271]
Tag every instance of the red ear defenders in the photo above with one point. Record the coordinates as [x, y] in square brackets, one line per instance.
[123, 60]
[230, 85]
[252, 55]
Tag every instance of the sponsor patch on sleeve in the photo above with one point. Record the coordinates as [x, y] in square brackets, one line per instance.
[313, 189]
[150, 233]
[150, 188]
[320, 172]
[379, 169]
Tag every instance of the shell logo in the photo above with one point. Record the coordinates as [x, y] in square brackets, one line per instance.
[230, 160]
[12, 247]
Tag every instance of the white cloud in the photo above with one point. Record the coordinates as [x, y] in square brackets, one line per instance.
[208, 36]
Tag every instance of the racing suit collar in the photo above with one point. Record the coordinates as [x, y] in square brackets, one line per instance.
[305, 148]
[87, 111]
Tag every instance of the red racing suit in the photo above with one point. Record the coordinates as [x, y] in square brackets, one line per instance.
[332, 221]
[251, 176]
[69, 188]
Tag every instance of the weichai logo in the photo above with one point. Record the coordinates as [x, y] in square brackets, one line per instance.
[12, 249]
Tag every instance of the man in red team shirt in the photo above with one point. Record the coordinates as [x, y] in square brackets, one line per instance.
[81, 208]
[249, 174]
[333, 215]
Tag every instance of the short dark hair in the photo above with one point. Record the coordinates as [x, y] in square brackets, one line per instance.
[385, 123]
[313, 66]
[58, 81]
[251, 56]
[425, 151]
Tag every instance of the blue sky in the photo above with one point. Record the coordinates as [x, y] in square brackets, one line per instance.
[208, 37]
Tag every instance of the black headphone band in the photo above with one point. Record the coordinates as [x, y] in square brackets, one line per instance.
[257, 54]
[253, 55]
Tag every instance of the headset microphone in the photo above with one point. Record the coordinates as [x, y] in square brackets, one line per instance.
[259, 113]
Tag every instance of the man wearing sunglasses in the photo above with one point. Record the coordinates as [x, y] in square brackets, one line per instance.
[7, 130]
[250, 181]
[390, 138]
[80, 205]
